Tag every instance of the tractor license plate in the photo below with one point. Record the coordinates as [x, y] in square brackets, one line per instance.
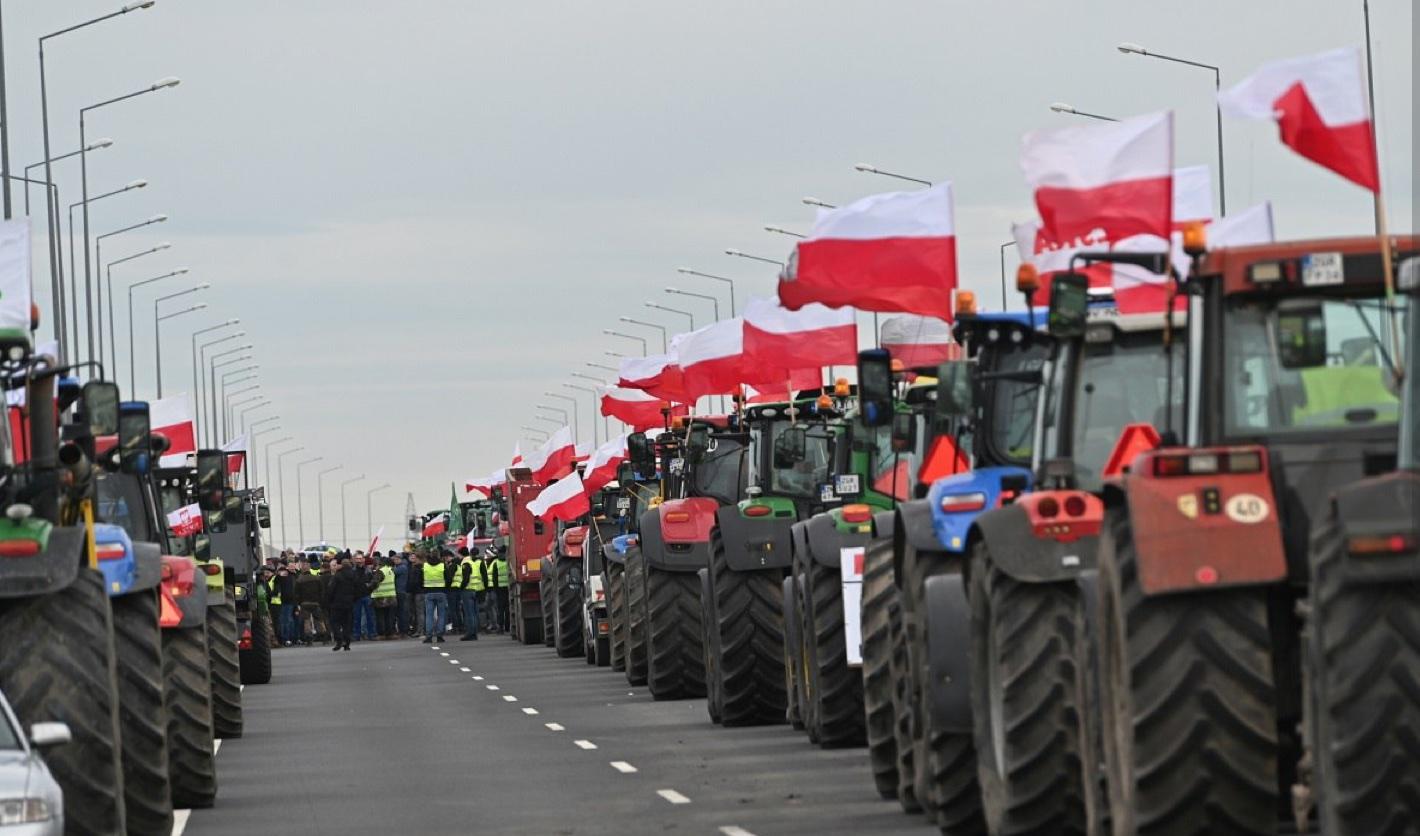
[847, 484]
[623, 503]
[1321, 269]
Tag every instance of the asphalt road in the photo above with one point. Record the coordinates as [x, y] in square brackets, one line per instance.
[402, 738]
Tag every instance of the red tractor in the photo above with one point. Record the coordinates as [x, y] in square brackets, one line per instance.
[529, 542]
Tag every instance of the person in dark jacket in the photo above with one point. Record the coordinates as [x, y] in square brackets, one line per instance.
[364, 605]
[415, 591]
[452, 590]
[310, 597]
[344, 590]
[401, 592]
[286, 588]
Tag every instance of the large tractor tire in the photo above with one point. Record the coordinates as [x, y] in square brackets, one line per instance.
[546, 591]
[900, 675]
[835, 689]
[57, 664]
[225, 670]
[187, 690]
[879, 610]
[256, 661]
[1028, 703]
[675, 649]
[749, 608]
[1363, 700]
[1189, 725]
[616, 613]
[635, 619]
[710, 646]
[793, 655]
[944, 761]
[567, 610]
[143, 718]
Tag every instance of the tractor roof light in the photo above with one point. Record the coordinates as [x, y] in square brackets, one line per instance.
[1195, 238]
[965, 303]
[841, 388]
[1266, 272]
[824, 402]
[1027, 278]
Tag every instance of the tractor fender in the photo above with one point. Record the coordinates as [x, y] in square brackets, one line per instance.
[119, 573]
[883, 524]
[149, 557]
[984, 487]
[1025, 556]
[754, 543]
[669, 557]
[948, 622]
[611, 555]
[826, 541]
[191, 608]
[914, 526]
[55, 567]
[1384, 507]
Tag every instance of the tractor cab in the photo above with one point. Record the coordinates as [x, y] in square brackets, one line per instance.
[702, 468]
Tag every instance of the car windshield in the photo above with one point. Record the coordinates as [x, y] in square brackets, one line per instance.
[1123, 381]
[9, 735]
[720, 475]
[1352, 387]
[1011, 420]
[804, 478]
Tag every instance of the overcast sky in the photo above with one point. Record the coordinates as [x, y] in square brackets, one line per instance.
[426, 211]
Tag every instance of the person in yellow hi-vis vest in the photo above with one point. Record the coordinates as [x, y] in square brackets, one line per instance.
[498, 577]
[436, 601]
[470, 580]
[383, 598]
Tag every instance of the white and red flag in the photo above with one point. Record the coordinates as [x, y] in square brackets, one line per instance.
[376, 541]
[918, 341]
[637, 409]
[554, 458]
[886, 252]
[170, 418]
[517, 454]
[657, 374]
[808, 338]
[712, 358]
[186, 520]
[565, 499]
[236, 451]
[601, 468]
[436, 526]
[1321, 108]
[485, 484]
[1111, 179]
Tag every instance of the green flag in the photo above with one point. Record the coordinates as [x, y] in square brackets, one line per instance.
[455, 513]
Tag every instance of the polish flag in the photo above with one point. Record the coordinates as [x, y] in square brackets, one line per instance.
[779, 389]
[169, 417]
[1113, 179]
[554, 458]
[601, 469]
[581, 452]
[565, 499]
[811, 337]
[436, 526]
[1319, 103]
[186, 520]
[639, 410]
[236, 451]
[483, 485]
[1252, 225]
[657, 374]
[375, 541]
[517, 454]
[887, 252]
[712, 358]
[918, 341]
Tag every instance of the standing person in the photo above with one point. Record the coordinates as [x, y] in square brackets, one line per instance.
[365, 605]
[488, 609]
[501, 579]
[384, 600]
[436, 603]
[453, 590]
[416, 594]
[470, 582]
[401, 592]
[341, 595]
[309, 597]
[285, 590]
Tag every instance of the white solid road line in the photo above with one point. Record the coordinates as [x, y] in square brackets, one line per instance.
[509, 698]
[623, 767]
[554, 726]
[731, 830]
[529, 711]
[673, 797]
[585, 744]
[180, 821]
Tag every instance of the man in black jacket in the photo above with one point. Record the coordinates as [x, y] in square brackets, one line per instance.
[345, 589]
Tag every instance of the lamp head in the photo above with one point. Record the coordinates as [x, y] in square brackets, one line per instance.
[1126, 47]
[234, 322]
[684, 270]
[157, 219]
[202, 286]
[199, 306]
[166, 245]
[672, 290]
[1061, 107]
[99, 143]
[135, 184]
[869, 168]
[169, 81]
[180, 271]
[137, 4]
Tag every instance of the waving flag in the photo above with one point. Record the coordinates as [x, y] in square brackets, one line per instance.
[436, 526]
[1319, 103]
[487, 484]
[712, 358]
[918, 341]
[637, 409]
[170, 418]
[1111, 179]
[565, 499]
[517, 454]
[15, 276]
[657, 374]
[236, 451]
[808, 338]
[554, 458]
[186, 520]
[601, 469]
[887, 252]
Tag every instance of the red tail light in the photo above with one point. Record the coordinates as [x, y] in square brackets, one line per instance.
[244, 643]
[18, 548]
[1382, 544]
[758, 511]
[677, 517]
[110, 551]
[959, 502]
[857, 513]
[1074, 506]
[1048, 507]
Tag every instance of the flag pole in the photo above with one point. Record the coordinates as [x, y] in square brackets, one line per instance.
[1388, 274]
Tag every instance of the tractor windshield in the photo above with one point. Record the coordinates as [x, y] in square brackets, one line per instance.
[1011, 420]
[804, 478]
[1350, 385]
[721, 474]
[120, 503]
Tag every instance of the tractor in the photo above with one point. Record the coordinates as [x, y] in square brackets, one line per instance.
[638, 491]
[529, 541]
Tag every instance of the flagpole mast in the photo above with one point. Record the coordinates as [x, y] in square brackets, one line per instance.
[1371, 94]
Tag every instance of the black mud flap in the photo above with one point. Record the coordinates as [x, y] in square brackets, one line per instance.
[51, 570]
[1030, 559]
[669, 557]
[1384, 507]
[193, 608]
[611, 555]
[754, 544]
[915, 520]
[948, 619]
[826, 542]
[149, 559]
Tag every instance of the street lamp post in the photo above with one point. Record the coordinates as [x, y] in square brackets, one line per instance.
[132, 350]
[576, 413]
[813, 201]
[1135, 49]
[157, 330]
[197, 378]
[556, 422]
[266, 458]
[320, 500]
[212, 380]
[74, 273]
[241, 415]
[344, 528]
[603, 366]
[713, 300]
[589, 390]
[369, 515]
[99, 285]
[300, 506]
[686, 314]
[108, 282]
[1062, 107]
[160, 84]
[202, 378]
[641, 340]
[230, 406]
[664, 345]
[779, 230]
[257, 433]
[280, 492]
[872, 169]
[686, 271]
[1003, 272]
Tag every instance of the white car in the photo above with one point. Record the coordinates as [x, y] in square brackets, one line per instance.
[31, 802]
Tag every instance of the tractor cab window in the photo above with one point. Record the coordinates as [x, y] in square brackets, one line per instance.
[1346, 382]
[721, 474]
[803, 478]
[120, 503]
[892, 473]
[1012, 403]
[172, 499]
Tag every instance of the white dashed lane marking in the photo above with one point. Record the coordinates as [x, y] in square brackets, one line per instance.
[216, 745]
[529, 711]
[585, 744]
[623, 767]
[180, 821]
[673, 797]
[463, 670]
[509, 698]
[445, 655]
[478, 679]
[492, 687]
[731, 830]
[554, 726]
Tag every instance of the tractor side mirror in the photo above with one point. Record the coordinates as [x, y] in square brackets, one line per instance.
[202, 547]
[625, 474]
[100, 399]
[641, 453]
[538, 526]
[234, 509]
[1069, 305]
[874, 387]
[1301, 334]
[211, 480]
[904, 432]
[791, 447]
[698, 442]
[134, 453]
[263, 516]
[955, 393]
[215, 521]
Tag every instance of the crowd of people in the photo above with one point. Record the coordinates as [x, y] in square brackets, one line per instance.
[339, 597]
